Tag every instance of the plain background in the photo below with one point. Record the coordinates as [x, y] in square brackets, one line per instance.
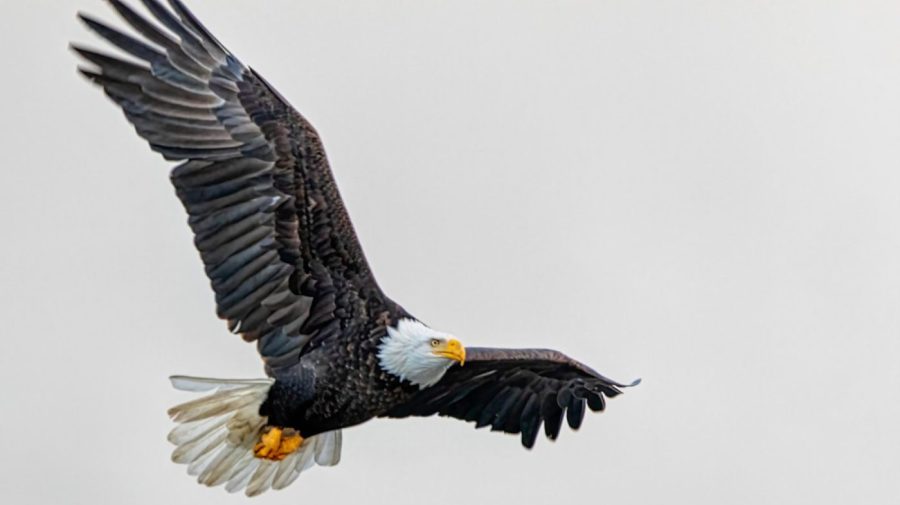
[702, 193]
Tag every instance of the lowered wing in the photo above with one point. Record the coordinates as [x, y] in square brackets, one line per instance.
[515, 391]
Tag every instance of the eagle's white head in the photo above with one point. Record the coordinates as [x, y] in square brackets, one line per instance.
[415, 352]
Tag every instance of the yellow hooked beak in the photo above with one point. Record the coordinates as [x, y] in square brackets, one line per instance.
[453, 349]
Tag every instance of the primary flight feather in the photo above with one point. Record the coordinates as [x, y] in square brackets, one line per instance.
[290, 275]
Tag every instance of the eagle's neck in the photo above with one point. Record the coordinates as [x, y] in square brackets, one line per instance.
[405, 353]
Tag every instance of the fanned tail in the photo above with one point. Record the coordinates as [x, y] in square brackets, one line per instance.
[216, 434]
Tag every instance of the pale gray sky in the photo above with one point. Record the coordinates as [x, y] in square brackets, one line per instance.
[705, 194]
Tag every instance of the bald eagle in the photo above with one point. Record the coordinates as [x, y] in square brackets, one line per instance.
[289, 274]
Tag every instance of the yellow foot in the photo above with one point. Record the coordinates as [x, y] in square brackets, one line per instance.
[276, 443]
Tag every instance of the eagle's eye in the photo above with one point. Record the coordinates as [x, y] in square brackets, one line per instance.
[435, 342]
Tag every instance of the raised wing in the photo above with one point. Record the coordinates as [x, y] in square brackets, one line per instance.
[276, 241]
[515, 390]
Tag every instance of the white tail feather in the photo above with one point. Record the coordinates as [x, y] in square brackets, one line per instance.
[328, 448]
[216, 434]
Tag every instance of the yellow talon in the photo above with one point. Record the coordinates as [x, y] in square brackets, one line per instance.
[290, 442]
[269, 442]
[276, 444]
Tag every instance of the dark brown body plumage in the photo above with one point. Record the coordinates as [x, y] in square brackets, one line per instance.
[350, 385]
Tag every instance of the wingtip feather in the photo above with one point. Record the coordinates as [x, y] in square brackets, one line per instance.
[89, 74]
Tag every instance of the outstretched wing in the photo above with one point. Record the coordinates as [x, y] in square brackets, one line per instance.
[276, 241]
[515, 390]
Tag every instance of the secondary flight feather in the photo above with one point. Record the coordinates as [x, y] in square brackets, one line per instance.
[290, 275]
